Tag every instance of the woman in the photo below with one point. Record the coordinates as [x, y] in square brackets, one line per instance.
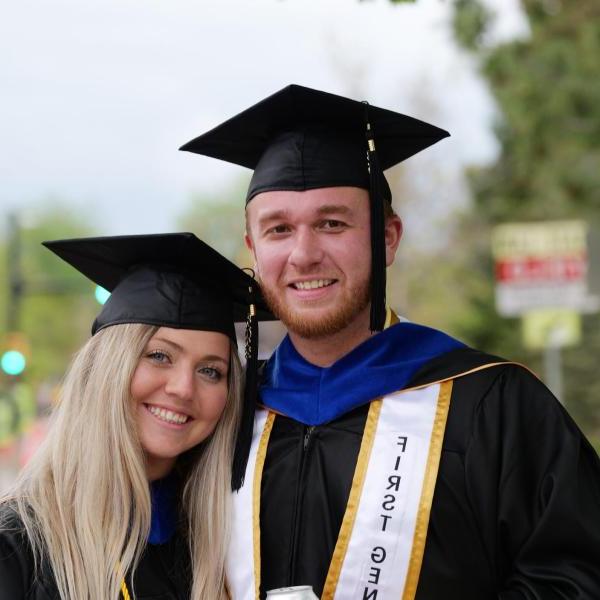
[129, 495]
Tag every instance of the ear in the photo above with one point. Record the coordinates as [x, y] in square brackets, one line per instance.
[248, 242]
[393, 235]
[250, 245]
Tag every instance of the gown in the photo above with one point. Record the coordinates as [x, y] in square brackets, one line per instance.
[516, 509]
[163, 572]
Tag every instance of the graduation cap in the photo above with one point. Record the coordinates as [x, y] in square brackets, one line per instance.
[174, 280]
[300, 139]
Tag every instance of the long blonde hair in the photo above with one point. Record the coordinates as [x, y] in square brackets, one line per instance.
[84, 497]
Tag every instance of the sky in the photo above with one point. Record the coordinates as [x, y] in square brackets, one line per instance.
[97, 96]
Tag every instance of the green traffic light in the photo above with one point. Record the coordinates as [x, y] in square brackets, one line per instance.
[101, 294]
[13, 362]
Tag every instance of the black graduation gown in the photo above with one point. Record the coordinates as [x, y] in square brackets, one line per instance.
[163, 573]
[516, 508]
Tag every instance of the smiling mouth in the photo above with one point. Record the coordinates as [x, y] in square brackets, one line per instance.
[166, 415]
[313, 284]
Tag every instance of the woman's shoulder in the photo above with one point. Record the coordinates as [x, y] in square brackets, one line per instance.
[12, 530]
[16, 558]
[9, 516]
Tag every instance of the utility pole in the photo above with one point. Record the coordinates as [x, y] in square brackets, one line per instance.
[15, 274]
[553, 362]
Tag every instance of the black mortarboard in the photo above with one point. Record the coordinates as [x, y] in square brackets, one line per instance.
[174, 280]
[300, 139]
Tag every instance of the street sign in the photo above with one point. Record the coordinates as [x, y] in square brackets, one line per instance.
[541, 265]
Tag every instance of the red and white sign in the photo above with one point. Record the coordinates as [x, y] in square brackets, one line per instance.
[541, 265]
[531, 269]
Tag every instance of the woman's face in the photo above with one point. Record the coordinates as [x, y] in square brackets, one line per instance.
[180, 389]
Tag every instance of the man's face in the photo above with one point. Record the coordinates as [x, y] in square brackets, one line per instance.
[313, 256]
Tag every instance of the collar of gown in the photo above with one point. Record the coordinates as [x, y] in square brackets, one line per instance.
[383, 364]
[163, 495]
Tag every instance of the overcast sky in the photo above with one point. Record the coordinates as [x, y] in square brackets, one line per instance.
[98, 95]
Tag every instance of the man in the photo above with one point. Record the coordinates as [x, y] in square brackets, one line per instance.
[394, 463]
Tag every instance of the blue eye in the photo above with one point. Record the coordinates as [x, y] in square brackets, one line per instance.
[211, 373]
[158, 356]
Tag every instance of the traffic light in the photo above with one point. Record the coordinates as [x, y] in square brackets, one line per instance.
[101, 294]
[13, 362]
[14, 354]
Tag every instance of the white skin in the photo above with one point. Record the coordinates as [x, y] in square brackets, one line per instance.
[323, 236]
[183, 371]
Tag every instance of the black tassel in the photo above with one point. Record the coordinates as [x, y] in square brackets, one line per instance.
[244, 438]
[378, 266]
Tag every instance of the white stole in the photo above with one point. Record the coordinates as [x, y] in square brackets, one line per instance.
[380, 546]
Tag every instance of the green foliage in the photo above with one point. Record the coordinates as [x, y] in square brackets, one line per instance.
[548, 90]
[470, 22]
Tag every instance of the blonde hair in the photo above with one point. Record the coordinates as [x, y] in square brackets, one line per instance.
[84, 498]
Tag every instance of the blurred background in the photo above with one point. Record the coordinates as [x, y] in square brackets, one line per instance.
[501, 220]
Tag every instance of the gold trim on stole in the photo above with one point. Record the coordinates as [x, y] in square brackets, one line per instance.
[431, 473]
[123, 586]
[341, 546]
[391, 318]
[258, 470]
[125, 591]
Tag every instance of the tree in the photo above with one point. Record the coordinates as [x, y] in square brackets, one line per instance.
[548, 90]
[57, 306]
[218, 219]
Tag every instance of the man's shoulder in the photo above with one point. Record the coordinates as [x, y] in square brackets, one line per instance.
[460, 363]
[485, 386]
[493, 398]
[479, 377]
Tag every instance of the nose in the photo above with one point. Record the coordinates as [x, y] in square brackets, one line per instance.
[306, 251]
[180, 383]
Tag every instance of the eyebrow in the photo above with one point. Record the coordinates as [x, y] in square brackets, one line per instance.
[207, 357]
[166, 341]
[272, 216]
[215, 358]
[338, 209]
[326, 209]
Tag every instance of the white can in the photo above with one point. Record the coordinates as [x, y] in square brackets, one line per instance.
[298, 592]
